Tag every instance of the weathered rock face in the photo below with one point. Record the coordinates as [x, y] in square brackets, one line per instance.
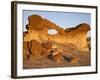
[38, 28]
[36, 49]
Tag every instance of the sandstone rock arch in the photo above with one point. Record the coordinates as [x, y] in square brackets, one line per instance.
[38, 27]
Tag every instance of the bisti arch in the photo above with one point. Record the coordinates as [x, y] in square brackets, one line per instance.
[37, 29]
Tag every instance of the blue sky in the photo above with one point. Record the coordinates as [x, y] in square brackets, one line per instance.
[63, 19]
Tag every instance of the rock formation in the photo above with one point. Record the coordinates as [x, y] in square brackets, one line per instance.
[38, 27]
[61, 46]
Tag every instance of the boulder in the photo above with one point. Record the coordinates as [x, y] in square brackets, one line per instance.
[35, 48]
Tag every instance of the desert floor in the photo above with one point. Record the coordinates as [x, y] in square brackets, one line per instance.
[48, 63]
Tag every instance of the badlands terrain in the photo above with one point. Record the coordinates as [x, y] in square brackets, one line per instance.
[68, 47]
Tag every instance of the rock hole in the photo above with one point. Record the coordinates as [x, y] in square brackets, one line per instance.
[52, 31]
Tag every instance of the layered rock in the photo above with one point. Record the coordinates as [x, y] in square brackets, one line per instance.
[38, 28]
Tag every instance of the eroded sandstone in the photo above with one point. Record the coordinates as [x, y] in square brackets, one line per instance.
[63, 46]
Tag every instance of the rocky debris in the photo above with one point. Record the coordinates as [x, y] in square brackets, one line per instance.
[69, 51]
[58, 52]
[57, 58]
